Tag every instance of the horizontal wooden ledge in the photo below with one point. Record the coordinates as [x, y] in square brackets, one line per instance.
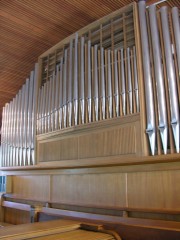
[146, 223]
[18, 206]
[101, 162]
[88, 127]
[87, 206]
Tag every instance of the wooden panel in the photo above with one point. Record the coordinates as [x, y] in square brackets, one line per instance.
[111, 142]
[154, 190]
[110, 138]
[32, 187]
[64, 149]
[14, 216]
[90, 189]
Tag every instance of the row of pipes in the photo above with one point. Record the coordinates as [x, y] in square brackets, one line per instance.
[18, 130]
[90, 86]
[173, 77]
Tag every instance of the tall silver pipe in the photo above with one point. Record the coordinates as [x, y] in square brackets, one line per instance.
[46, 106]
[69, 97]
[61, 94]
[6, 134]
[30, 123]
[75, 97]
[96, 95]
[147, 77]
[38, 112]
[49, 103]
[25, 122]
[22, 124]
[18, 126]
[65, 88]
[123, 83]
[102, 86]
[116, 84]
[2, 138]
[82, 89]
[34, 111]
[129, 79]
[162, 113]
[136, 79]
[44, 109]
[89, 95]
[41, 109]
[56, 98]
[14, 130]
[53, 102]
[176, 27]
[9, 133]
[174, 108]
[109, 84]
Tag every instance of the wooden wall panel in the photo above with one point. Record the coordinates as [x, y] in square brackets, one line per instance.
[154, 190]
[90, 189]
[151, 190]
[32, 187]
[59, 149]
[112, 138]
[111, 142]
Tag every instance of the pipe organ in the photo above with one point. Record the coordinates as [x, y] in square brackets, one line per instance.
[125, 64]
[93, 134]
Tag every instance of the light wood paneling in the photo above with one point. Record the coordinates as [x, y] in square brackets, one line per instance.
[111, 142]
[90, 189]
[111, 138]
[64, 149]
[32, 187]
[154, 190]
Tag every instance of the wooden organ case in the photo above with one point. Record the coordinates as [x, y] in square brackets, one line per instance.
[106, 147]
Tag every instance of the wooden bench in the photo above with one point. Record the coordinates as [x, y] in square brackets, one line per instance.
[31, 211]
[59, 229]
[128, 228]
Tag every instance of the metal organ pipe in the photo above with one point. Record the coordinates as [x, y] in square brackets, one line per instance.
[171, 77]
[147, 77]
[176, 26]
[162, 113]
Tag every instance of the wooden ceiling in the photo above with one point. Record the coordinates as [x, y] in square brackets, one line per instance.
[30, 27]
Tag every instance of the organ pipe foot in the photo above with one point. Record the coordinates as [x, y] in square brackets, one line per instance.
[163, 134]
[175, 128]
[152, 139]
